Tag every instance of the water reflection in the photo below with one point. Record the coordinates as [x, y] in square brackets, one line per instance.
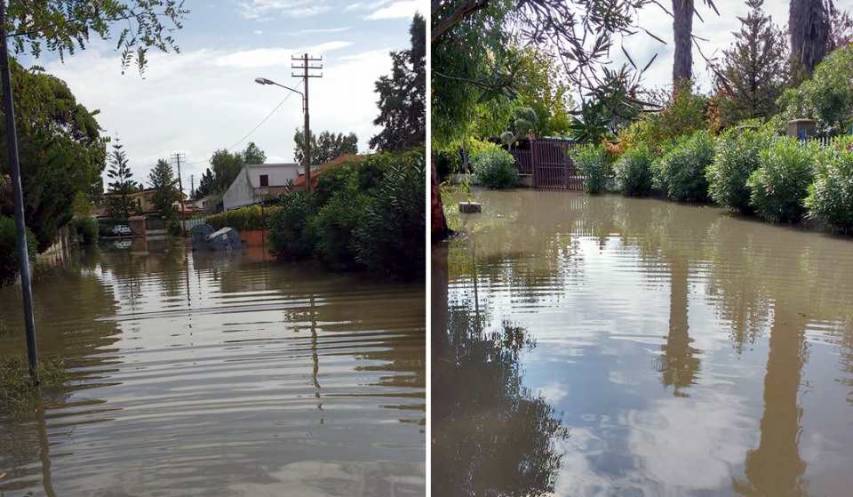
[204, 374]
[494, 437]
[747, 326]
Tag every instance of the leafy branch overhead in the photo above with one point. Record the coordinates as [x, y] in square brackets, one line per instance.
[65, 26]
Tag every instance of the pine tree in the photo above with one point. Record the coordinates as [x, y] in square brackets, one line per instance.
[122, 184]
[402, 96]
[205, 186]
[754, 70]
[165, 186]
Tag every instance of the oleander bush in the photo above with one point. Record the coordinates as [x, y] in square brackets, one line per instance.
[290, 229]
[736, 156]
[680, 173]
[494, 167]
[593, 163]
[778, 188]
[830, 198]
[634, 172]
[86, 229]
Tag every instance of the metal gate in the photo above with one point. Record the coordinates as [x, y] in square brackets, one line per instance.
[553, 169]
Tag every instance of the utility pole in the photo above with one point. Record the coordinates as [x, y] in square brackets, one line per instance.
[18, 194]
[304, 64]
[178, 157]
[192, 185]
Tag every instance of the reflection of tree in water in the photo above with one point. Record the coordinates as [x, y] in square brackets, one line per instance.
[491, 435]
[679, 363]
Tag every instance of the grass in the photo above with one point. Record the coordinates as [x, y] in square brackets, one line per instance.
[18, 395]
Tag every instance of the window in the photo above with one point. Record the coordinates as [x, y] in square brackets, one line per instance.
[265, 180]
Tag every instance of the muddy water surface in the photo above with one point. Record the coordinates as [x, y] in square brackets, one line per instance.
[218, 375]
[605, 346]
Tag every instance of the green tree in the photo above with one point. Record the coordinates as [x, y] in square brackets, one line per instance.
[402, 96]
[226, 166]
[754, 69]
[253, 154]
[206, 185]
[165, 185]
[122, 183]
[61, 152]
[325, 147]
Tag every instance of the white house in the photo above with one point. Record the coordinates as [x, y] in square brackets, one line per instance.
[258, 181]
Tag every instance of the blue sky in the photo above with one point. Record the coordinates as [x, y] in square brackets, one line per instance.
[205, 97]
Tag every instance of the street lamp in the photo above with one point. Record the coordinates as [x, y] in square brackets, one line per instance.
[306, 146]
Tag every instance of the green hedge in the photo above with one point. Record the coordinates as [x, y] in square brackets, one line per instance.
[634, 172]
[252, 217]
[830, 198]
[494, 168]
[367, 215]
[86, 229]
[781, 183]
[593, 163]
[680, 174]
[736, 156]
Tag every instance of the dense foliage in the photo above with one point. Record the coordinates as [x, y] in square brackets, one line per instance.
[736, 157]
[8, 249]
[680, 173]
[60, 148]
[325, 147]
[494, 167]
[252, 217]
[402, 96]
[827, 96]
[593, 163]
[780, 184]
[634, 172]
[165, 186]
[830, 198]
[367, 214]
[86, 230]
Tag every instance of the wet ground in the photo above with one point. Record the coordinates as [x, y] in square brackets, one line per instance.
[217, 375]
[608, 346]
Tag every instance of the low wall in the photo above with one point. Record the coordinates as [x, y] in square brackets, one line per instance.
[254, 238]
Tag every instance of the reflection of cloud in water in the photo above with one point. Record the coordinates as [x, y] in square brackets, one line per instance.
[553, 392]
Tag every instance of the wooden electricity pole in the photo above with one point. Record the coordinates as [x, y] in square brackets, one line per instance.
[304, 64]
[178, 157]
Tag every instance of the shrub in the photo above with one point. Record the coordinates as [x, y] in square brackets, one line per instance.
[9, 261]
[827, 96]
[390, 236]
[680, 174]
[333, 228]
[830, 198]
[780, 184]
[634, 172]
[290, 230]
[735, 158]
[593, 163]
[86, 229]
[494, 167]
[252, 217]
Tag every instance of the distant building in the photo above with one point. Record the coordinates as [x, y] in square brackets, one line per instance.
[257, 182]
[143, 202]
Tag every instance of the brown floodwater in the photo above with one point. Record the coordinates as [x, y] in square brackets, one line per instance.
[608, 346]
[217, 375]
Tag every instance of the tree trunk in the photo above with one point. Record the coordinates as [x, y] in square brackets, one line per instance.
[682, 27]
[439, 223]
[808, 27]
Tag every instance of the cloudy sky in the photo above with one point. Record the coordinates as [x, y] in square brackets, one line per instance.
[205, 97]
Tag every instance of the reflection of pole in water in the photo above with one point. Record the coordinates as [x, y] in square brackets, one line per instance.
[476, 283]
[315, 359]
[44, 449]
[678, 362]
[775, 467]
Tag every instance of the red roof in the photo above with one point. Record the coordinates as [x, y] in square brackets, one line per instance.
[299, 182]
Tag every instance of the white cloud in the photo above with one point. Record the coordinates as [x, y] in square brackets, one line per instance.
[254, 9]
[270, 57]
[403, 9]
[202, 100]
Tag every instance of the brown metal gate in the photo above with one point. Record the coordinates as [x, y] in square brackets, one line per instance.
[553, 169]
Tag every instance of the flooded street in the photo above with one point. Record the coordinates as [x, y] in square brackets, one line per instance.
[218, 375]
[608, 346]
